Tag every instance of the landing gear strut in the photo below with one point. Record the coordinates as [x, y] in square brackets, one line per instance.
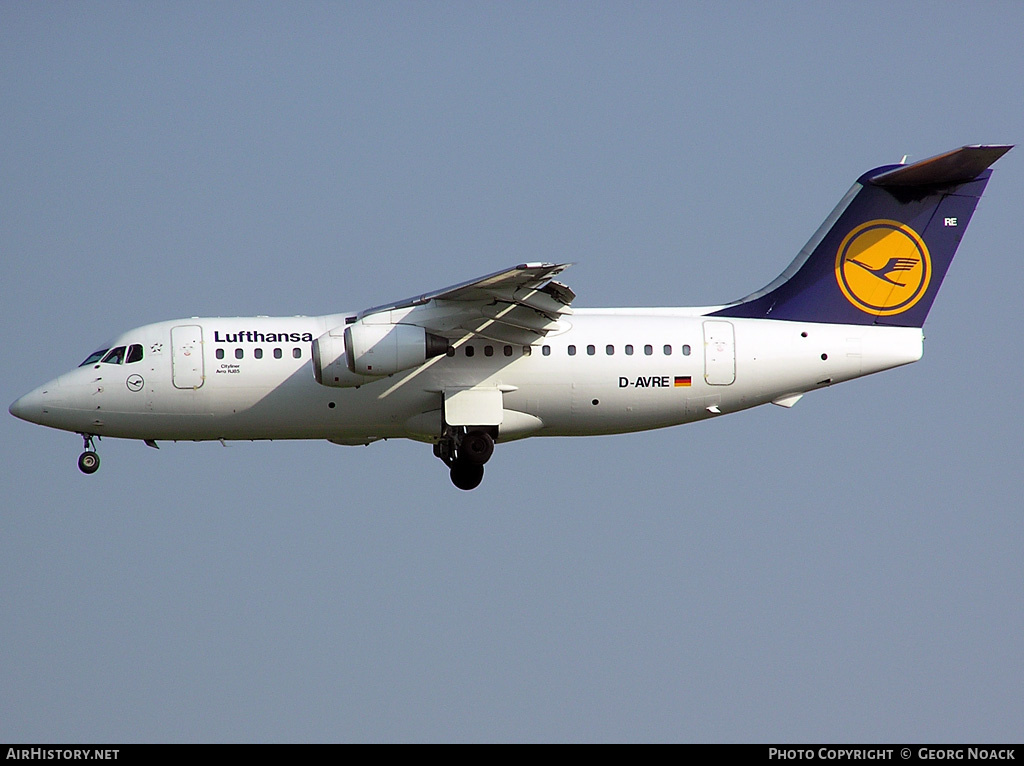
[88, 461]
[465, 453]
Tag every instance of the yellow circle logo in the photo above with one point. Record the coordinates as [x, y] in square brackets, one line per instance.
[883, 267]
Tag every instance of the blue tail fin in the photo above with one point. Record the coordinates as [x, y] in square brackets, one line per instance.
[881, 256]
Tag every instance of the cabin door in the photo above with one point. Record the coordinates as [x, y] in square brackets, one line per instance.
[719, 353]
[187, 356]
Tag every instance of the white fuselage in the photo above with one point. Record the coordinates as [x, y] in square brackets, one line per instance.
[632, 370]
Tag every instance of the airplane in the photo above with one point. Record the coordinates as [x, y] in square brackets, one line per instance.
[506, 356]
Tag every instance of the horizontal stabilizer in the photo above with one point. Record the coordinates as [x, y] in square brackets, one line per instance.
[955, 167]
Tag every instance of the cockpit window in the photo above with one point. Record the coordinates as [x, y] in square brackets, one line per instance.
[94, 357]
[114, 356]
[134, 353]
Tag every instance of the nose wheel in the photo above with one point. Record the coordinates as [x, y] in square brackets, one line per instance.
[89, 461]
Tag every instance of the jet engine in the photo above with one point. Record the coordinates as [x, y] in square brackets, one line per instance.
[330, 364]
[359, 353]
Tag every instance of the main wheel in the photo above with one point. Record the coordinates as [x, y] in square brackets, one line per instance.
[476, 447]
[467, 475]
[88, 462]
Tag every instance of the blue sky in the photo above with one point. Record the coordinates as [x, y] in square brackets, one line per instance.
[848, 570]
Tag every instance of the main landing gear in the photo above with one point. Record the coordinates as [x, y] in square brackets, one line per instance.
[89, 461]
[465, 452]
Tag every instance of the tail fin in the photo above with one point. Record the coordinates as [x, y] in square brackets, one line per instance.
[880, 257]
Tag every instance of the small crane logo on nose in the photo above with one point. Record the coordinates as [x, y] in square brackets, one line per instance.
[135, 382]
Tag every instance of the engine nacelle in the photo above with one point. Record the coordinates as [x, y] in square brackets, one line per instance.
[362, 353]
[330, 364]
[384, 349]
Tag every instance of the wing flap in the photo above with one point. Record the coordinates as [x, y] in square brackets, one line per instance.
[519, 316]
[501, 333]
[519, 305]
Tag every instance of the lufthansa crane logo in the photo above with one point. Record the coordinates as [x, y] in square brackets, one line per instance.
[883, 267]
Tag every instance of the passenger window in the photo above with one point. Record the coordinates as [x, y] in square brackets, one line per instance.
[488, 350]
[648, 349]
[609, 349]
[508, 351]
[546, 350]
[572, 350]
[591, 350]
[239, 353]
[114, 356]
[450, 351]
[258, 353]
[219, 353]
[686, 350]
[629, 349]
[297, 353]
[277, 353]
[527, 350]
[470, 350]
[134, 353]
[668, 350]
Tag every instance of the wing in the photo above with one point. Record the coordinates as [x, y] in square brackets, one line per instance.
[518, 305]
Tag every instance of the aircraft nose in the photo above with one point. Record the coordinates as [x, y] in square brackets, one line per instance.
[25, 406]
[31, 406]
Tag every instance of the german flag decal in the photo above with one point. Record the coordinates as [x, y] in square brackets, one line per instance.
[682, 380]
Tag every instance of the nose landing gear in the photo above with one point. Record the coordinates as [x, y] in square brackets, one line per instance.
[465, 453]
[88, 461]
